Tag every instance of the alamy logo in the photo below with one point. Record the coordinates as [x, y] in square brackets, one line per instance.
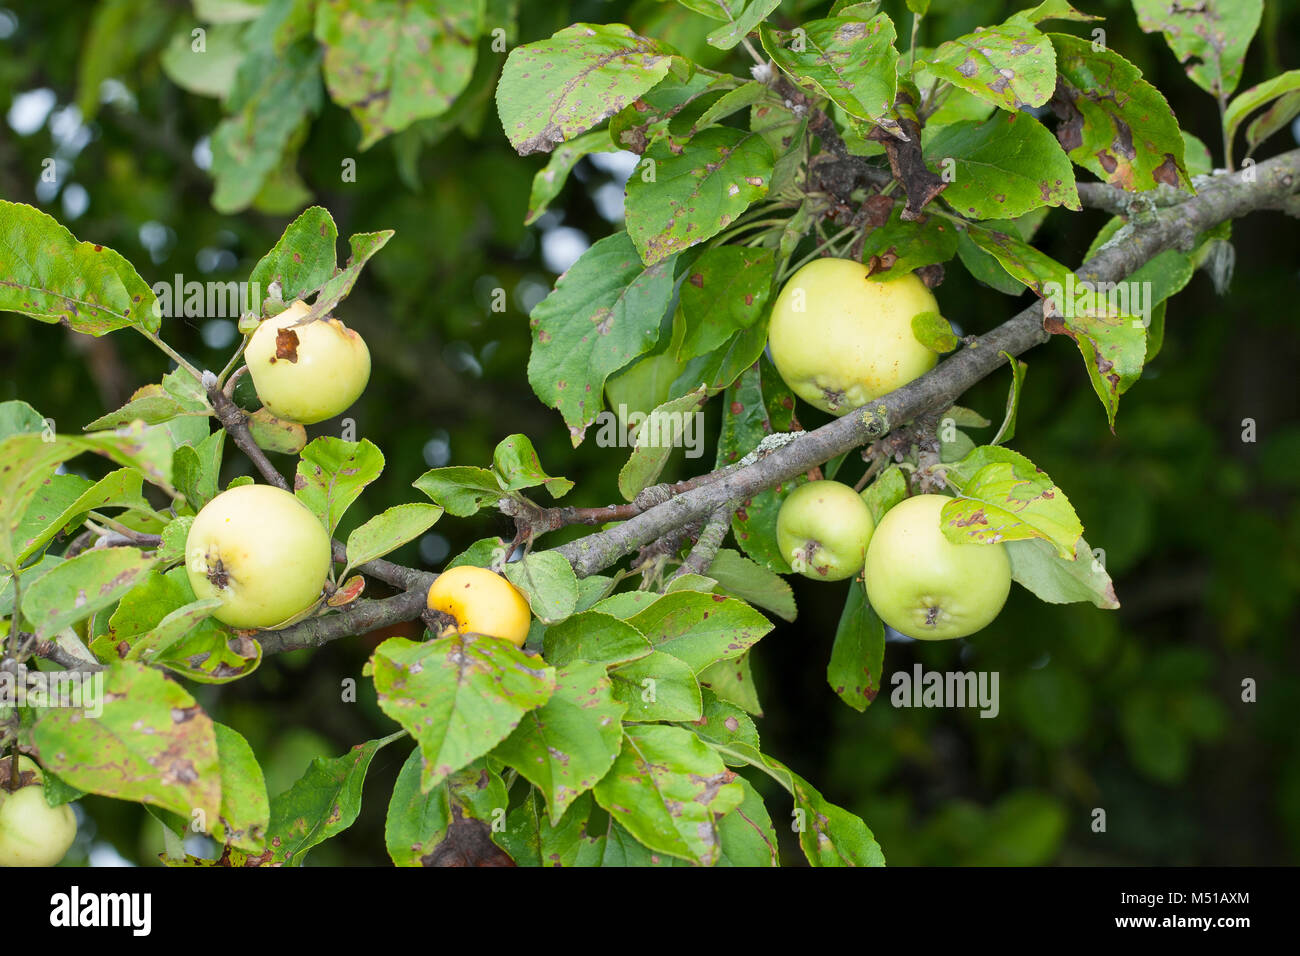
[82, 690]
[622, 429]
[1080, 298]
[72, 909]
[922, 688]
[206, 300]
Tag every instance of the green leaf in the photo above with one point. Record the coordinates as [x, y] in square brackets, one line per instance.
[47, 274]
[565, 746]
[1010, 65]
[850, 61]
[391, 65]
[857, 657]
[722, 722]
[668, 788]
[745, 16]
[517, 466]
[245, 811]
[1037, 567]
[604, 312]
[733, 682]
[323, 803]
[276, 434]
[596, 637]
[552, 90]
[1277, 117]
[657, 686]
[1002, 167]
[388, 531]
[898, 248]
[151, 744]
[746, 833]
[756, 405]
[460, 489]
[934, 332]
[67, 498]
[1114, 123]
[886, 490]
[277, 90]
[303, 257]
[656, 114]
[551, 178]
[1005, 497]
[547, 582]
[531, 840]
[751, 582]
[726, 290]
[1035, 269]
[206, 72]
[210, 654]
[1113, 348]
[196, 469]
[1210, 37]
[661, 432]
[700, 629]
[1007, 430]
[79, 587]
[332, 473]
[417, 821]
[696, 191]
[457, 696]
[1252, 99]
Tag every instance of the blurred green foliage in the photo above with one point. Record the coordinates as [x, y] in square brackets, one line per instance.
[1137, 713]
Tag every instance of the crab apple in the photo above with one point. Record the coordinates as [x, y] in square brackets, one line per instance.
[307, 373]
[482, 602]
[840, 338]
[823, 528]
[33, 833]
[925, 586]
[261, 551]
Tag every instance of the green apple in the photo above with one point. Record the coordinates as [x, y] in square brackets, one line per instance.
[33, 833]
[840, 338]
[822, 529]
[923, 585]
[306, 373]
[261, 551]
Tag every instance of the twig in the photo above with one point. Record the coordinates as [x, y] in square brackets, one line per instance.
[707, 544]
[235, 422]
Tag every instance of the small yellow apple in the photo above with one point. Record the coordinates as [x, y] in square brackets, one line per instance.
[33, 833]
[307, 373]
[261, 551]
[482, 602]
[840, 338]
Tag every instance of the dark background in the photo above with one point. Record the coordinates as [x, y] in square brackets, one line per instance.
[1137, 712]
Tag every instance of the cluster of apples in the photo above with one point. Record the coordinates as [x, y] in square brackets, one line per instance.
[260, 551]
[840, 338]
[33, 833]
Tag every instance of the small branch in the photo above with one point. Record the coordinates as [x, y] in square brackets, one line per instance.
[360, 618]
[397, 575]
[235, 422]
[1119, 202]
[707, 544]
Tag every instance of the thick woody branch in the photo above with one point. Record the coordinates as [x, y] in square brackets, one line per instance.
[359, 618]
[235, 422]
[1271, 186]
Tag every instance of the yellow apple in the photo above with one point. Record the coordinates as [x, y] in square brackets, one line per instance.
[840, 338]
[307, 373]
[822, 529]
[33, 833]
[482, 602]
[261, 551]
[925, 586]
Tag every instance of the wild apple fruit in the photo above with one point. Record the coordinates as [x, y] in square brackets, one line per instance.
[261, 551]
[822, 529]
[33, 833]
[923, 585]
[482, 602]
[840, 338]
[307, 373]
